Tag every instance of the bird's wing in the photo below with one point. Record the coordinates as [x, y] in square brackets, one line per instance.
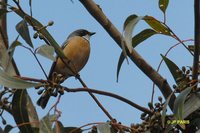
[52, 69]
[54, 63]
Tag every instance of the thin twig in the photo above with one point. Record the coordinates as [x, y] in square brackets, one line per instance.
[46, 34]
[85, 89]
[7, 108]
[27, 123]
[153, 88]
[55, 107]
[36, 60]
[143, 109]
[177, 38]
[98, 123]
[95, 99]
[93, 96]
[32, 79]
[88, 124]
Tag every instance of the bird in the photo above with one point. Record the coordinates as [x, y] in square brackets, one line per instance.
[76, 48]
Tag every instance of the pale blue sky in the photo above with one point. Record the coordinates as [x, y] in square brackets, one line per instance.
[100, 72]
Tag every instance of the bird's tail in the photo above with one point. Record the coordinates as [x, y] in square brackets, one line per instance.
[43, 100]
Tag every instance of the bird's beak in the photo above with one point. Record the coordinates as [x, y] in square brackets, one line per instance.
[92, 33]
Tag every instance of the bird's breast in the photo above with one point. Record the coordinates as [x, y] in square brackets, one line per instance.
[77, 51]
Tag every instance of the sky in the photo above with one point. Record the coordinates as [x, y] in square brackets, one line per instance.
[100, 72]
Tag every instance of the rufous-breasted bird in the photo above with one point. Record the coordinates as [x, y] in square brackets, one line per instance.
[77, 50]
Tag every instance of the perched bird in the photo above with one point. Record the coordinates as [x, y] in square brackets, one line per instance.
[77, 50]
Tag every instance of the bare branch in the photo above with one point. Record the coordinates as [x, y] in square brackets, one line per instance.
[50, 39]
[161, 82]
[197, 40]
[90, 91]
[143, 109]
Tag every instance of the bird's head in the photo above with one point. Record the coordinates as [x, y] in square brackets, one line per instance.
[82, 33]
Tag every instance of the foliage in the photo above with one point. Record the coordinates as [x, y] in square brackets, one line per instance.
[155, 118]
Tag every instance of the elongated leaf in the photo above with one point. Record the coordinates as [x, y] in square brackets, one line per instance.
[34, 23]
[179, 103]
[22, 29]
[192, 104]
[157, 25]
[44, 32]
[20, 112]
[165, 110]
[46, 123]
[137, 39]
[104, 128]
[13, 82]
[11, 49]
[163, 4]
[121, 60]
[129, 26]
[47, 51]
[173, 68]
[32, 113]
[143, 35]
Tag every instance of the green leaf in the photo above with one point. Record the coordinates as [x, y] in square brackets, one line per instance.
[165, 109]
[163, 4]
[121, 59]
[129, 26]
[7, 56]
[137, 39]
[157, 25]
[32, 113]
[175, 72]
[13, 82]
[179, 103]
[45, 33]
[20, 110]
[8, 128]
[104, 128]
[192, 104]
[46, 51]
[34, 23]
[143, 35]
[12, 47]
[22, 29]
[46, 123]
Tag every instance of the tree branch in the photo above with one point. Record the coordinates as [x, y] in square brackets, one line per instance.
[197, 40]
[95, 99]
[143, 109]
[162, 84]
[51, 40]
[4, 57]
